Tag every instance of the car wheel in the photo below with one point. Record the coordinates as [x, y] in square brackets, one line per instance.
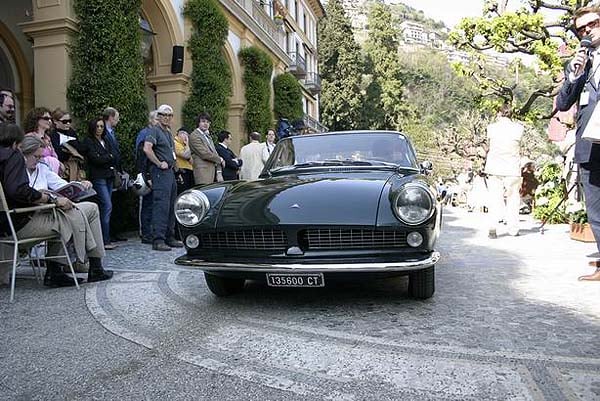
[421, 284]
[223, 286]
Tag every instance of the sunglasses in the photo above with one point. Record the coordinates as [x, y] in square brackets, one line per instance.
[45, 118]
[165, 115]
[591, 25]
[100, 126]
[66, 121]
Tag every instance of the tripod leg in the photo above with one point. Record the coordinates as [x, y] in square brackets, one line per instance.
[564, 198]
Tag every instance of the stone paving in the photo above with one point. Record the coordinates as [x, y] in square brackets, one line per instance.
[508, 321]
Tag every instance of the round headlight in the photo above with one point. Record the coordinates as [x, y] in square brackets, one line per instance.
[191, 207]
[413, 204]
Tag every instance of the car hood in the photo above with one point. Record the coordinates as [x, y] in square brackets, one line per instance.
[317, 199]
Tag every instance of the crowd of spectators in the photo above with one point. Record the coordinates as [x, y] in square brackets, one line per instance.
[45, 153]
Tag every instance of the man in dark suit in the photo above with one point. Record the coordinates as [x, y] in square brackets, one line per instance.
[232, 163]
[582, 85]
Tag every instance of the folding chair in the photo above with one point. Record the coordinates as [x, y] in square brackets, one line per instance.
[26, 243]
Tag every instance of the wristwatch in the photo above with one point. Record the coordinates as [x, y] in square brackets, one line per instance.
[52, 198]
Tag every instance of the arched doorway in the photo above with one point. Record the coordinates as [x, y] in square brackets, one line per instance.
[162, 86]
[14, 71]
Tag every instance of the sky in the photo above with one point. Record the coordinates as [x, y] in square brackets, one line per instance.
[448, 11]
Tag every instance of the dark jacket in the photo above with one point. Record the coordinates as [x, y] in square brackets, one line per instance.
[100, 159]
[15, 182]
[586, 153]
[55, 138]
[230, 171]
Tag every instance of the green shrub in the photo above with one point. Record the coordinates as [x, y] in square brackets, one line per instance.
[258, 69]
[108, 69]
[288, 97]
[211, 76]
[549, 194]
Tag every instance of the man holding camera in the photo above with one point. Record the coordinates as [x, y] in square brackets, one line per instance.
[581, 85]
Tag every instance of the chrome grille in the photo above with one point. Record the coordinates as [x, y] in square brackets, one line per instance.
[341, 238]
[247, 239]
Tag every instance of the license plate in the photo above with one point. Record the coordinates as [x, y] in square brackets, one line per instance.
[296, 280]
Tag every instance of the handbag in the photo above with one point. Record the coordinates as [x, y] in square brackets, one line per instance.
[591, 132]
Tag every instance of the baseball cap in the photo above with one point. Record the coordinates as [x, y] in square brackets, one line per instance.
[164, 109]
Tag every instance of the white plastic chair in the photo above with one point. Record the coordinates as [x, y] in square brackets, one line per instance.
[26, 243]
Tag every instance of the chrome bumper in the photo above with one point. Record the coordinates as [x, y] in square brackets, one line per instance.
[308, 267]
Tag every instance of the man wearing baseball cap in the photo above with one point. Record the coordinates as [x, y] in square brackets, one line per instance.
[160, 151]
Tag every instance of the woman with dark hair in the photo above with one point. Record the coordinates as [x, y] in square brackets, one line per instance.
[67, 146]
[38, 123]
[102, 168]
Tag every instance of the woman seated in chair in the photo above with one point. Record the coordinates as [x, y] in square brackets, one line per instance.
[78, 222]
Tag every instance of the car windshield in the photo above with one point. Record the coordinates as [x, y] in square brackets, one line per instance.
[351, 149]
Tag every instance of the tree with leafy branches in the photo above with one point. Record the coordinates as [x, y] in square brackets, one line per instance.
[538, 29]
[381, 48]
[340, 65]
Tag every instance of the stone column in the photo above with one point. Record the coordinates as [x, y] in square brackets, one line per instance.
[235, 123]
[52, 30]
[172, 89]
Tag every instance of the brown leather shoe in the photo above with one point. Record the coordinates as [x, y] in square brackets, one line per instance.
[591, 277]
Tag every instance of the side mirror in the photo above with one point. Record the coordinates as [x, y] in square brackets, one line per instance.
[426, 167]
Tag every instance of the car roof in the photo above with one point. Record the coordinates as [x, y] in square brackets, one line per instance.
[355, 132]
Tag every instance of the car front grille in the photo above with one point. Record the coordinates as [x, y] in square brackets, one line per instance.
[341, 238]
[265, 239]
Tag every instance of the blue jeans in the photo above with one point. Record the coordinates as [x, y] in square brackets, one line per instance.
[164, 192]
[146, 217]
[591, 189]
[103, 186]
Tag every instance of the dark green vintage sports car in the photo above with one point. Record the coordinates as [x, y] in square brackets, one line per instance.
[327, 206]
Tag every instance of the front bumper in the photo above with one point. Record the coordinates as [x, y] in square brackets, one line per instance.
[311, 267]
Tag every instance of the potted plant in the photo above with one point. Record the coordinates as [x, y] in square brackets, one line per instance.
[580, 228]
[278, 19]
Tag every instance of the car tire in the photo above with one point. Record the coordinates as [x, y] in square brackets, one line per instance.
[421, 284]
[223, 286]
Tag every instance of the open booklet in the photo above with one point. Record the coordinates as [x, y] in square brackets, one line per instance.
[74, 191]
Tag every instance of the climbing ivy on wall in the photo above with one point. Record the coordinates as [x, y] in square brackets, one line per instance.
[108, 68]
[210, 87]
[258, 69]
[288, 97]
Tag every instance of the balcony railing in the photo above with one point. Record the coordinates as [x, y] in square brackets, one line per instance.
[298, 65]
[312, 82]
[313, 125]
[263, 20]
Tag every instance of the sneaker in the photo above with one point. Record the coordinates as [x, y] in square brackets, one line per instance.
[160, 246]
[110, 247]
[492, 234]
[173, 243]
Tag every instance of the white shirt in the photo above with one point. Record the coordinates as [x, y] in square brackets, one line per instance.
[44, 178]
[504, 157]
[251, 154]
[267, 151]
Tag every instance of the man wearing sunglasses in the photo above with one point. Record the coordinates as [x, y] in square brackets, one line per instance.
[582, 87]
[160, 151]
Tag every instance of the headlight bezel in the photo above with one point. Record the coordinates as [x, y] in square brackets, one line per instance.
[203, 203]
[411, 186]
